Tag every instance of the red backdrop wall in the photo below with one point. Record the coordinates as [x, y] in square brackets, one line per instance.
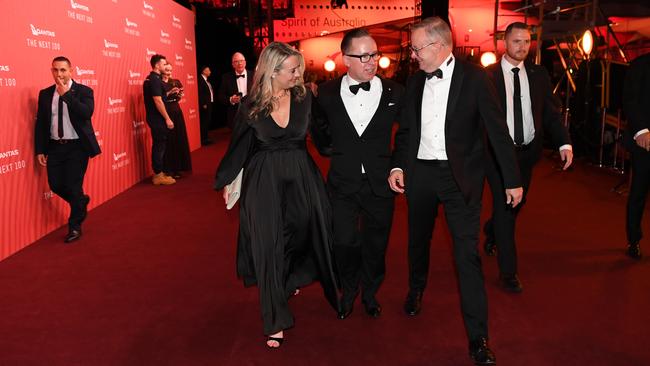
[109, 43]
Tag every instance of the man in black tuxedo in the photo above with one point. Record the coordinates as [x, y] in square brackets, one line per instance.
[206, 98]
[526, 94]
[65, 140]
[637, 106]
[234, 86]
[356, 112]
[440, 151]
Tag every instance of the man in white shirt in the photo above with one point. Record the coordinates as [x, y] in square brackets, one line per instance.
[354, 116]
[206, 98]
[526, 94]
[234, 86]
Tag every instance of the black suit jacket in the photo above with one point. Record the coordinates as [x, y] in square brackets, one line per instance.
[227, 88]
[472, 109]
[547, 113]
[335, 135]
[204, 93]
[81, 105]
[636, 97]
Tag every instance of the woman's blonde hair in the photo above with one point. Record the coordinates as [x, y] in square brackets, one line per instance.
[270, 61]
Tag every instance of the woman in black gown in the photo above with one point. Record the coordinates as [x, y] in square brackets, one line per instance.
[284, 219]
[177, 157]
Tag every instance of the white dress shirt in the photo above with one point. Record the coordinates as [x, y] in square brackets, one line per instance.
[68, 131]
[434, 113]
[209, 87]
[242, 85]
[361, 107]
[526, 106]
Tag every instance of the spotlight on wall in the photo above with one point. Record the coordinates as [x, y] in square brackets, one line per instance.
[587, 42]
[329, 65]
[488, 58]
[384, 62]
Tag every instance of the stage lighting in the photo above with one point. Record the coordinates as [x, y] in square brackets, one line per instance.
[587, 42]
[384, 62]
[329, 65]
[488, 58]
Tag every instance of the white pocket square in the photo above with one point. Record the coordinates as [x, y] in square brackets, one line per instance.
[391, 104]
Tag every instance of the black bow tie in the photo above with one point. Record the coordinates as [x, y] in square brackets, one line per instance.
[437, 73]
[239, 76]
[355, 88]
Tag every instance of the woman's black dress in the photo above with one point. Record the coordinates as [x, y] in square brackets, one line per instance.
[177, 153]
[285, 235]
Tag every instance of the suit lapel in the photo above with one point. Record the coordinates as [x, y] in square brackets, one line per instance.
[339, 105]
[420, 78]
[386, 92]
[500, 85]
[534, 93]
[49, 95]
[454, 91]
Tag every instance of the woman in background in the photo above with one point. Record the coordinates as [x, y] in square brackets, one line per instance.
[285, 234]
[177, 157]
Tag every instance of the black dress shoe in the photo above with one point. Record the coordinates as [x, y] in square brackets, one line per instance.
[72, 235]
[413, 303]
[490, 247]
[481, 353]
[634, 251]
[510, 282]
[345, 311]
[374, 311]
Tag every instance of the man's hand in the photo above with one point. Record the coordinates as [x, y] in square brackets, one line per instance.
[514, 196]
[396, 181]
[234, 99]
[225, 195]
[170, 124]
[643, 141]
[567, 158]
[205, 106]
[61, 87]
[42, 159]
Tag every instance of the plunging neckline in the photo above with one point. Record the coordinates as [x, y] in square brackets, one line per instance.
[288, 121]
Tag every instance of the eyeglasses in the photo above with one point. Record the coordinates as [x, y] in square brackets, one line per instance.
[417, 50]
[367, 56]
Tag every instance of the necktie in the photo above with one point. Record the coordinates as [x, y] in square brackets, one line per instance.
[355, 88]
[60, 120]
[239, 76]
[437, 73]
[519, 120]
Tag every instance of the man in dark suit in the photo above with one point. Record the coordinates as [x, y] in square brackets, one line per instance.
[440, 151]
[357, 112]
[637, 106]
[234, 86]
[526, 94]
[206, 98]
[65, 140]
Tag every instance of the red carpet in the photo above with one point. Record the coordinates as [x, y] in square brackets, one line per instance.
[152, 282]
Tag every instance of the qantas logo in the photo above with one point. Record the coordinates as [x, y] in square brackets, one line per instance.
[75, 5]
[150, 52]
[130, 23]
[43, 32]
[163, 34]
[188, 42]
[85, 72]
[4, 68]
[112, 101]
[179, 58]
[147, 6]
[175, 20]
[134, 74]
[108, 44]
[119, 156]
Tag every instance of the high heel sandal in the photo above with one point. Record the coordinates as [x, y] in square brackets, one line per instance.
[274, 339]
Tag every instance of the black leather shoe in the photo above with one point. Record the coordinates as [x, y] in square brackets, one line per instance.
[413, 303]
[490, 247]
[634, 251]
[345, 311]
[510, 283]
[480, 352]
[72, 236]
[374, 311]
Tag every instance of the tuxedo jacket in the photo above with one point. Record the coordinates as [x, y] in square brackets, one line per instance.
[472, 110]
[547, 113]
[228, 87]
[204, 93]
[81, 104]
[335, 135]
[636, 97]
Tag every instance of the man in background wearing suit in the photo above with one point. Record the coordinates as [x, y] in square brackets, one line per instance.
[356, 112]
[440, 151]
[65, 140]
[234, 86]
[526, 94]
[637, 107]
[206, 98]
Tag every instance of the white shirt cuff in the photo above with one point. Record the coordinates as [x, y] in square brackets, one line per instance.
[395, 169]
[566, 147]
[645, 130]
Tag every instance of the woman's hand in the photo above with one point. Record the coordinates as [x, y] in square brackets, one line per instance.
[225, 195]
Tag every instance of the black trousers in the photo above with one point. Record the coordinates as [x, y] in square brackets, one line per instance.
[159, 132]
[205, 120]
[500, 228]
[361, 223]
[66, 168]
[429, 184]
[638, 193]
